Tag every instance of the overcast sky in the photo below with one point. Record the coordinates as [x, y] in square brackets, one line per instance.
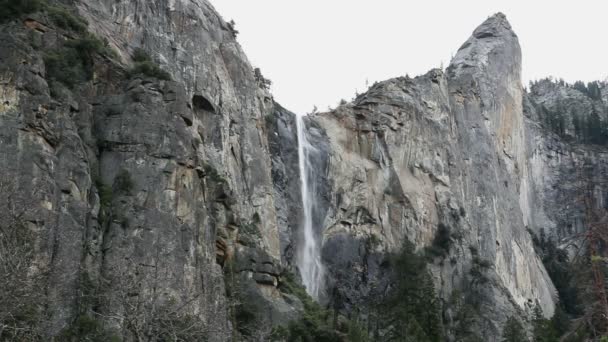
[317, 52]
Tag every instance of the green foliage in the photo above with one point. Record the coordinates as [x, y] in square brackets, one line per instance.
[245, 317]
[86, 328]
[149, 69]
[145, 66]
[66, 19]
[465, 318]
[73, 63]
[212, 174]
[560, 270]
[356, 333]
[255, 218]
[65, 66]
[269, 118]
[589, 127]
[441, 242]
[478, 269]
[250, 229]
[592, 89]
[550, 330]
[412, 306]
[140, 55]
[262, 82]
[314, 324]
[232, 28]
[123, 183]
[11, 9]
[105, 193]
[513, 331]
[373, 241]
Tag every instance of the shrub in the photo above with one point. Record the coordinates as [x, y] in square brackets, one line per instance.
[86, 328]
[73, 63]
[149, 69]
[105, 193]
[270, 118]
[373, 241]
[145, 66]
[262, 81]
[442, 241]
[123, 183]
[211, 172]
[313, 325]
[232, 28]
[357, 333]
[478, 269]
[64, 65]
[513, 331]
[67, 20]
[11, 9]
[250, 229]
[412, 303]
[140, 55]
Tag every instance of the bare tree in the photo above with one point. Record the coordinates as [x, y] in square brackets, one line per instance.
[592, 252]
[148, 309]
[21, 281]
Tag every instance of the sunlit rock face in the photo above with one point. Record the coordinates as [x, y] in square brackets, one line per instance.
[443, 149]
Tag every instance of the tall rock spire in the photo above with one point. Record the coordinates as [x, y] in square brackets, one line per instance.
[484, 80]
[487, 67]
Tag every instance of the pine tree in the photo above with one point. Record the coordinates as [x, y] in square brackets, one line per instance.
[543, 329]
[513, 331]
[412, 309]
[595, 128]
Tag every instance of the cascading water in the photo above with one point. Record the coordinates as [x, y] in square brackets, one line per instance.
[309, 253]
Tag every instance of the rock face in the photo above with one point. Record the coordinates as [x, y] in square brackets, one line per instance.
[178, 201]
[463, 154]
[561, 153]
[154, 195]
[443, 151]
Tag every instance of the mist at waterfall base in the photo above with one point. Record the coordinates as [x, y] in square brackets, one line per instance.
[309, 249]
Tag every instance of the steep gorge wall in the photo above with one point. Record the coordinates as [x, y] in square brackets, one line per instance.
[144, 195]
[152, 195]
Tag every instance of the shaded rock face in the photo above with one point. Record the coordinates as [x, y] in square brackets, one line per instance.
[147, 197]
[151, 197]
[560, 165]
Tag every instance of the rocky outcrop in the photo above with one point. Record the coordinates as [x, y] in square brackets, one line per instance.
[443, 151]
[148, 198]
[564, 157]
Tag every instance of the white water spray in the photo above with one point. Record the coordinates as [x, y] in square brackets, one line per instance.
[309, 252]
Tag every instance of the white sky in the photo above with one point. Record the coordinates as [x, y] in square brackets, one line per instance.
[317, 52]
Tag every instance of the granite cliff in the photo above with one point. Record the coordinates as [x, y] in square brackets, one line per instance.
[151, 189]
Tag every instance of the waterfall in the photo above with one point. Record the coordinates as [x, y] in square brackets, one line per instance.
[309, 251]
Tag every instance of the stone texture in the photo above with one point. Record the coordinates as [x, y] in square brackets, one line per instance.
[184, 167]
[441, 149]
[186, 193]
